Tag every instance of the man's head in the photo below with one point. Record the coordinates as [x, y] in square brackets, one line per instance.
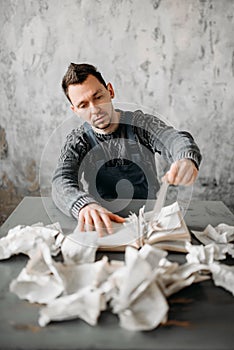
[89, 95]
[77, 74]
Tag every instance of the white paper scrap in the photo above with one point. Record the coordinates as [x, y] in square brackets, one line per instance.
[146, 312]
[79, 247]
[39, 281]
[168, 218]
[80, 287]
[203, 254]
[152, 255]
[25, 239]
[136, 298]
[223, 276]
[76, 277]
[86, 304]
[221, 235]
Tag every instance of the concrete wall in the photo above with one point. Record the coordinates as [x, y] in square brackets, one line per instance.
[175, 57]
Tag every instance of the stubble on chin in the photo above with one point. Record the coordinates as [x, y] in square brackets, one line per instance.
[105, 126]
[102, 126]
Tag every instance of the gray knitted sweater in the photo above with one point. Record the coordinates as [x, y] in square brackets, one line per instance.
[151, 134]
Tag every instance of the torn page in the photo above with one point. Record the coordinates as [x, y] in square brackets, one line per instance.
[87, 303]
[25, 240]
[39, 281]
[152, 255]
[42, 280]
[146, 312]
[203, 254]
[137, 289]
[136, 297]
[80, 276]
[79, 247]
[222, 235]
[223, 276]
[168, 218]
[182, 277]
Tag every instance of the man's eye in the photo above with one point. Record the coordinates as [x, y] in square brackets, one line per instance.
[98, 97]
[83, 106]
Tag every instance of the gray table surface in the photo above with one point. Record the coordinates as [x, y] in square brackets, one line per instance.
[201, 316]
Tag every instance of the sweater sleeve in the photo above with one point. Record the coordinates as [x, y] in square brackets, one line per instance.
[67, 190]
[172, 144]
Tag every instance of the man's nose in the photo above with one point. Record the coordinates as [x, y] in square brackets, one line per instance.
[94, 108]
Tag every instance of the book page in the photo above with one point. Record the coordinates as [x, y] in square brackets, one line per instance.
[176, 246]
[123, 235]
[176, 233]
[169, 227]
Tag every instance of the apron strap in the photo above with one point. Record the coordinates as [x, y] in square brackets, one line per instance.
[128, 134]
[89, 131]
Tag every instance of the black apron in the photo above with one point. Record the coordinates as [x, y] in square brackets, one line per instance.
[135, 180]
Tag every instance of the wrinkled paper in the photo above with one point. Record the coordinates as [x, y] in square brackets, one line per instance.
[25, 240]
[39, 281]
[221, 236]
[79, 247]
[136, 289]
[136, 297]
[222, 275]
[43, 279]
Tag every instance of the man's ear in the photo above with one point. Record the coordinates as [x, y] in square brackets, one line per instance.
[72, 108]
[111, 90]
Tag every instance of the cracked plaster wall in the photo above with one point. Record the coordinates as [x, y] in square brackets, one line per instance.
[175, 57]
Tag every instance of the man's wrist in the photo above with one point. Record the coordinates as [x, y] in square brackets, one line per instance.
[81, 203]
[196, 159]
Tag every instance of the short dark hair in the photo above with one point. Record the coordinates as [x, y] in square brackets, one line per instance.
[78, 73]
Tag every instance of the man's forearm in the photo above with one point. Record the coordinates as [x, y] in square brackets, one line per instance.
[67, 195]
[185, 147]
[172, 144]
[175, 145]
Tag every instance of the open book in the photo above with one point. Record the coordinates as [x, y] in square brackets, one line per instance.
[169, 232]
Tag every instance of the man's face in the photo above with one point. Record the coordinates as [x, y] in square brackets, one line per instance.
[92, 102]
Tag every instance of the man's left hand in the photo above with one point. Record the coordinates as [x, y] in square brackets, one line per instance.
[182, 172]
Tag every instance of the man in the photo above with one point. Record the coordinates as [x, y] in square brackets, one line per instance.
[111, 148]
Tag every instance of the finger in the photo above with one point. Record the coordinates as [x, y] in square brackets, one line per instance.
[193, 178]
[187, 174]
[186, 179]
[98, 223]
[89, 226]
[81, 223]
[172, 173]
[117, 218]
[190, 177]
[107, 222]
[184, 175]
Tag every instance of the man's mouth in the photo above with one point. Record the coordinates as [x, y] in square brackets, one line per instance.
[99, 118]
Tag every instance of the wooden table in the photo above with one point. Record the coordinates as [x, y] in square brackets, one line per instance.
[201, 316]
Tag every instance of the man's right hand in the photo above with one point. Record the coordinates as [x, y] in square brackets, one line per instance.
[95, 217]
